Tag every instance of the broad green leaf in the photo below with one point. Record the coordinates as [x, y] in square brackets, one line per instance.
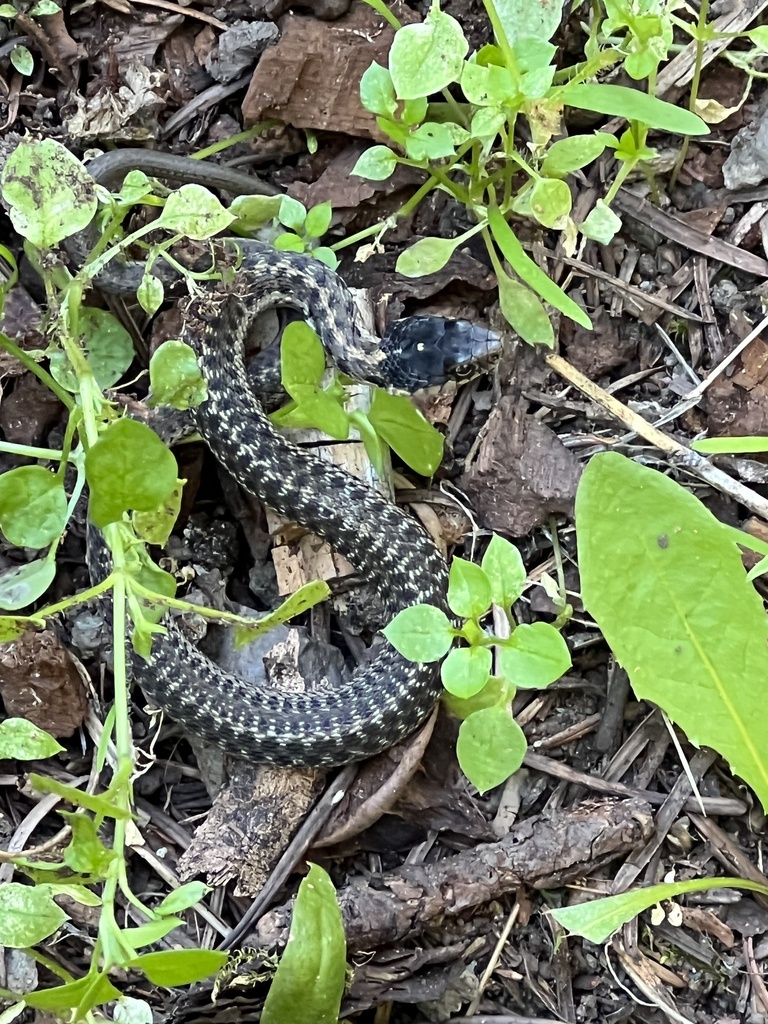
[487, 122]
[84, 994]
[534, 656]
[20, 587]
[289, 242]
[535, 84]
[524, 21]
[376, 163]
[11, 627]
[414, 111]
[550, 201]
[195, 212]
[21, 740]
[302, 358]
[599, 919]
[254, 212]
[175, 377]
[156, 526]
[292, 214]
[497, 691]
[620, 101]
[503, 565]
[568, 155]
[525, 312]
[309, 982]
[680, 616]
[318, 220]
[33, 506]
[108, 348]
[50, 194]
[150, 932]
[316, 409]
[530, 273]
[377, 92]
[426, 57]
[491, 747]
[179, 966]
[430, 141]
[466, 670]
[22, 60]
[487, 85]
[601, 223]
[150, 293]
[129, 467]
[136, 185]
[421, 633]
[406, 431]
[469, 589]
[326, 255]
[426, 256]
[27, 914]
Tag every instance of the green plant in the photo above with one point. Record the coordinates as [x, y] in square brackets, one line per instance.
[467, 146]
[680, 614]
[20, 56]
[305, 228]
[134, 499]
[491, 745]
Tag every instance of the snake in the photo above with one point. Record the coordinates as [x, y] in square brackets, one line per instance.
[387, 697]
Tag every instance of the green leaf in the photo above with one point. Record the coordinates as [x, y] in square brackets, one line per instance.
[691, 632]
[318, 220]
[317, 409]
[405, 429]
[11, 628]
[150, 932]
[44, 8]
[175, 377]
[550, 201]
[469, 589]
[568, 155]
[20, 740]
[525, 312]
[292, 214]
[33, 506]
[426, 57]
[488, 85]
[27, 914]
[50, 194]
[620, 101]
[599, 919]
[487, 122]
[301, 601]
[421, 633]
[326, 255]
[377, 92]
[195, 212]
[22, 60]
[129, 467]
[101, 805]
[289, 242]
[309, 983]
[601, 223]
[93, 990]
[108, 348]
[431, 141]
[534, 656]
[530, 273]
[8, 11]
[179, 966]
[426, 256]
[731, 445]
[525, 22]
[466, 670]
[254, 212]
[150, 293]
[503, 565]
[182, 898]
[20, 587]
[156, 526]
[376, 163]
[86, 854]
[491, 747]
[414, 111]
[496, 691]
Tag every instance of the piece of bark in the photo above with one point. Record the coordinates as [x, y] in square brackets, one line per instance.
[311, 77]
[39, 681]
[545, 852]
[522, 475]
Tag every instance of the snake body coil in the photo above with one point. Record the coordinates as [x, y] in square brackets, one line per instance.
[388, 697]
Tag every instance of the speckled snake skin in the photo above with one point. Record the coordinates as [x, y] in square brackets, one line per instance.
[387, 698]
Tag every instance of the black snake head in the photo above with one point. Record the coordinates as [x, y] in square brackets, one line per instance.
[430, 351]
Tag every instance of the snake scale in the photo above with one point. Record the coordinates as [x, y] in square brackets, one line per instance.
[388, 697]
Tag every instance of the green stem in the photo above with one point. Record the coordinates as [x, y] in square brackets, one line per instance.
[42, 375]
[381, 8]
[234, 140]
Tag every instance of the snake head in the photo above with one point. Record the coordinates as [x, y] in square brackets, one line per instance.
[433, 350]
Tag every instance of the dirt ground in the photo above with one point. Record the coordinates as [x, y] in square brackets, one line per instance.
[443, 890]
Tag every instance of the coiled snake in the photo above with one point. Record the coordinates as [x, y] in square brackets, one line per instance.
[388, 697]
